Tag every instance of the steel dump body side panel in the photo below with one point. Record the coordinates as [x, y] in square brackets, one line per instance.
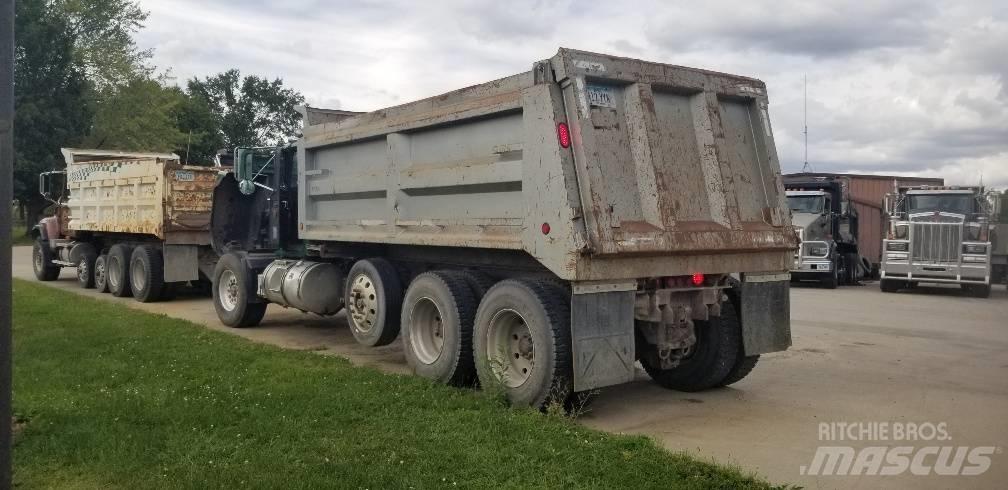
[141, 196]
[482, 167]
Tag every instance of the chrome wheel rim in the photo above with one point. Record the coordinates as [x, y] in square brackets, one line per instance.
[426, 330]
[99, 272]
[363, 303]
[510, 348]
[113, 275]
[227, 290]
[138, 275]
[37, 259]
[82, 271]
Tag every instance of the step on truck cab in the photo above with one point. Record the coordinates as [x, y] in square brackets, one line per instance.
[939, 235]
[541, 232]
[133, 224]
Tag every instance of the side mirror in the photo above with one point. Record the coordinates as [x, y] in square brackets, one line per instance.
[887, 204]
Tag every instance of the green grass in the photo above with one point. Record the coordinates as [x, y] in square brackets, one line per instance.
[110, 397]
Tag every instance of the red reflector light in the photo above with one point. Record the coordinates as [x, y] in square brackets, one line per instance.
[563, 134]
[545, 228]
[698, 279]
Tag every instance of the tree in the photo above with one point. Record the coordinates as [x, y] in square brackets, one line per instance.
[50, 97]
[139, 116]
[102, 32]
[250, 111]
[198, 123]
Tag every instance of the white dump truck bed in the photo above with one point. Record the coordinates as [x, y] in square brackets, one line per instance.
[599, 167]
[139, 193]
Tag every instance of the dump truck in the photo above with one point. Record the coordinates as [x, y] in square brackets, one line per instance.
[826, 222]
[939, 235]
[133, 224]
[541, 232]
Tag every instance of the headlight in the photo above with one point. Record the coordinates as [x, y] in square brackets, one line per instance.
[897, 246]
[897, 256]
[975, 248]
[974, 259]
[902, 231]
[819, 250]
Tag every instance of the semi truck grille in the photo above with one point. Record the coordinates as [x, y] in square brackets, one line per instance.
[936, 243]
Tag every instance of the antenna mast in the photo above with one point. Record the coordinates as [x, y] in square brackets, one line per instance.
[805, 168]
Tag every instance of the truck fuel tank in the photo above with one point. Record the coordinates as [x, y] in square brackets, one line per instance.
[315, 287]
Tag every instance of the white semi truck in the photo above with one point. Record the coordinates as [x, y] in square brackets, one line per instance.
[543, 232]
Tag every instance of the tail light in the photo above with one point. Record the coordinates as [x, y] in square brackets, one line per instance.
[697, 279]
[563, 135]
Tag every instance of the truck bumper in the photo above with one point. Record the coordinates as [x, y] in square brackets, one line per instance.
[937, 273]
[808, 266]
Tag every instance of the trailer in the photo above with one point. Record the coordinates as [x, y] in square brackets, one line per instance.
[541, 232]
[133, 224]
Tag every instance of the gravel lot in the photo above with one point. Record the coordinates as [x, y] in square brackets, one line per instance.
[932, 356]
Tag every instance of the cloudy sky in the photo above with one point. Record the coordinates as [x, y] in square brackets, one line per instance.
[895, 87]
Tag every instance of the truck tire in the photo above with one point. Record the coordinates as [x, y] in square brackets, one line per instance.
[743, 366]
[889, 285]
[146, 274]
[117, 270]
[853, 262]
[832, 279]
[42, 257]
[85, 265]
[977, 290]
[478, 282]
[100, 278]
[437, 325]
[231, 296]
[522, 344]
[373, 298]
[713, 359]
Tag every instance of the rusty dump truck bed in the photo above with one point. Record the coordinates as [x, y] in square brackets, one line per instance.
[599, 167]
[150, 194]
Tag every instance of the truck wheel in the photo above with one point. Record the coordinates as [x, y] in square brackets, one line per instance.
[117, 270]
[373, 299]
[478, 282]
[977, 290]
[42, 264]
[852, 268]
[743, 366]
[522, 343]
[437, 325]
[889, 285]
[100, 278]
[713, 358]
[832, 279]
[231, 296]
[85, 265]
[146, 274]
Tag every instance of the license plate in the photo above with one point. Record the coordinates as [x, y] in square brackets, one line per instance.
[601, 95]
[185, 175]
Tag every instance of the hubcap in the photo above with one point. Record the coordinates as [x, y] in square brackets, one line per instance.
[99, 272]
[227, 290]
[510, 348]
[426, 329]
[82, 270]
[138, 275]
[38, 260]
[363, 303]
[114, 273]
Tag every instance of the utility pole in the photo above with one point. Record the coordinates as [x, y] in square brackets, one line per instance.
[806, 167]
[6, 198]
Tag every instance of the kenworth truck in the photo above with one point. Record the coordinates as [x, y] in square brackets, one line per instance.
[541, 232]
[939, 235]
[827, 227]
[133, 224]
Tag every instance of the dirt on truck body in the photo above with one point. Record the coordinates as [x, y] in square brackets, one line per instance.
[543, 231]
[130, 223]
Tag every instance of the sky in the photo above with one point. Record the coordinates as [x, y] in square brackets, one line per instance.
[894, 87]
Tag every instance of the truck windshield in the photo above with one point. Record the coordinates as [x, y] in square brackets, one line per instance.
[806, 204]
[949, 203]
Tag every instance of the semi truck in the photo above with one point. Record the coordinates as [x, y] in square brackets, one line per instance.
[826, 223]
[541, 232]
[939, 235]
[133, 224]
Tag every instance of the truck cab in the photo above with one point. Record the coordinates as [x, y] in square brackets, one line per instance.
[826, 225]
[938, 235]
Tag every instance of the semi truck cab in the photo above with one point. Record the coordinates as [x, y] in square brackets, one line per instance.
[826, 226]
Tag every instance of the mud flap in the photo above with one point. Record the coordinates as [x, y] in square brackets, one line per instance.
[765, 313]
[180, 263]
[602, 337]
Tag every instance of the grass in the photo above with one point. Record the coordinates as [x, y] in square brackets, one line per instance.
[110, 397]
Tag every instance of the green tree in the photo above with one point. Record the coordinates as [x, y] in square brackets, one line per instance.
[102, 32]
[50, 97]
[198, 123]
[250, 111]
[138, 116]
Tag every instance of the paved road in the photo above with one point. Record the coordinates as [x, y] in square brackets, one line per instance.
[859, 355]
